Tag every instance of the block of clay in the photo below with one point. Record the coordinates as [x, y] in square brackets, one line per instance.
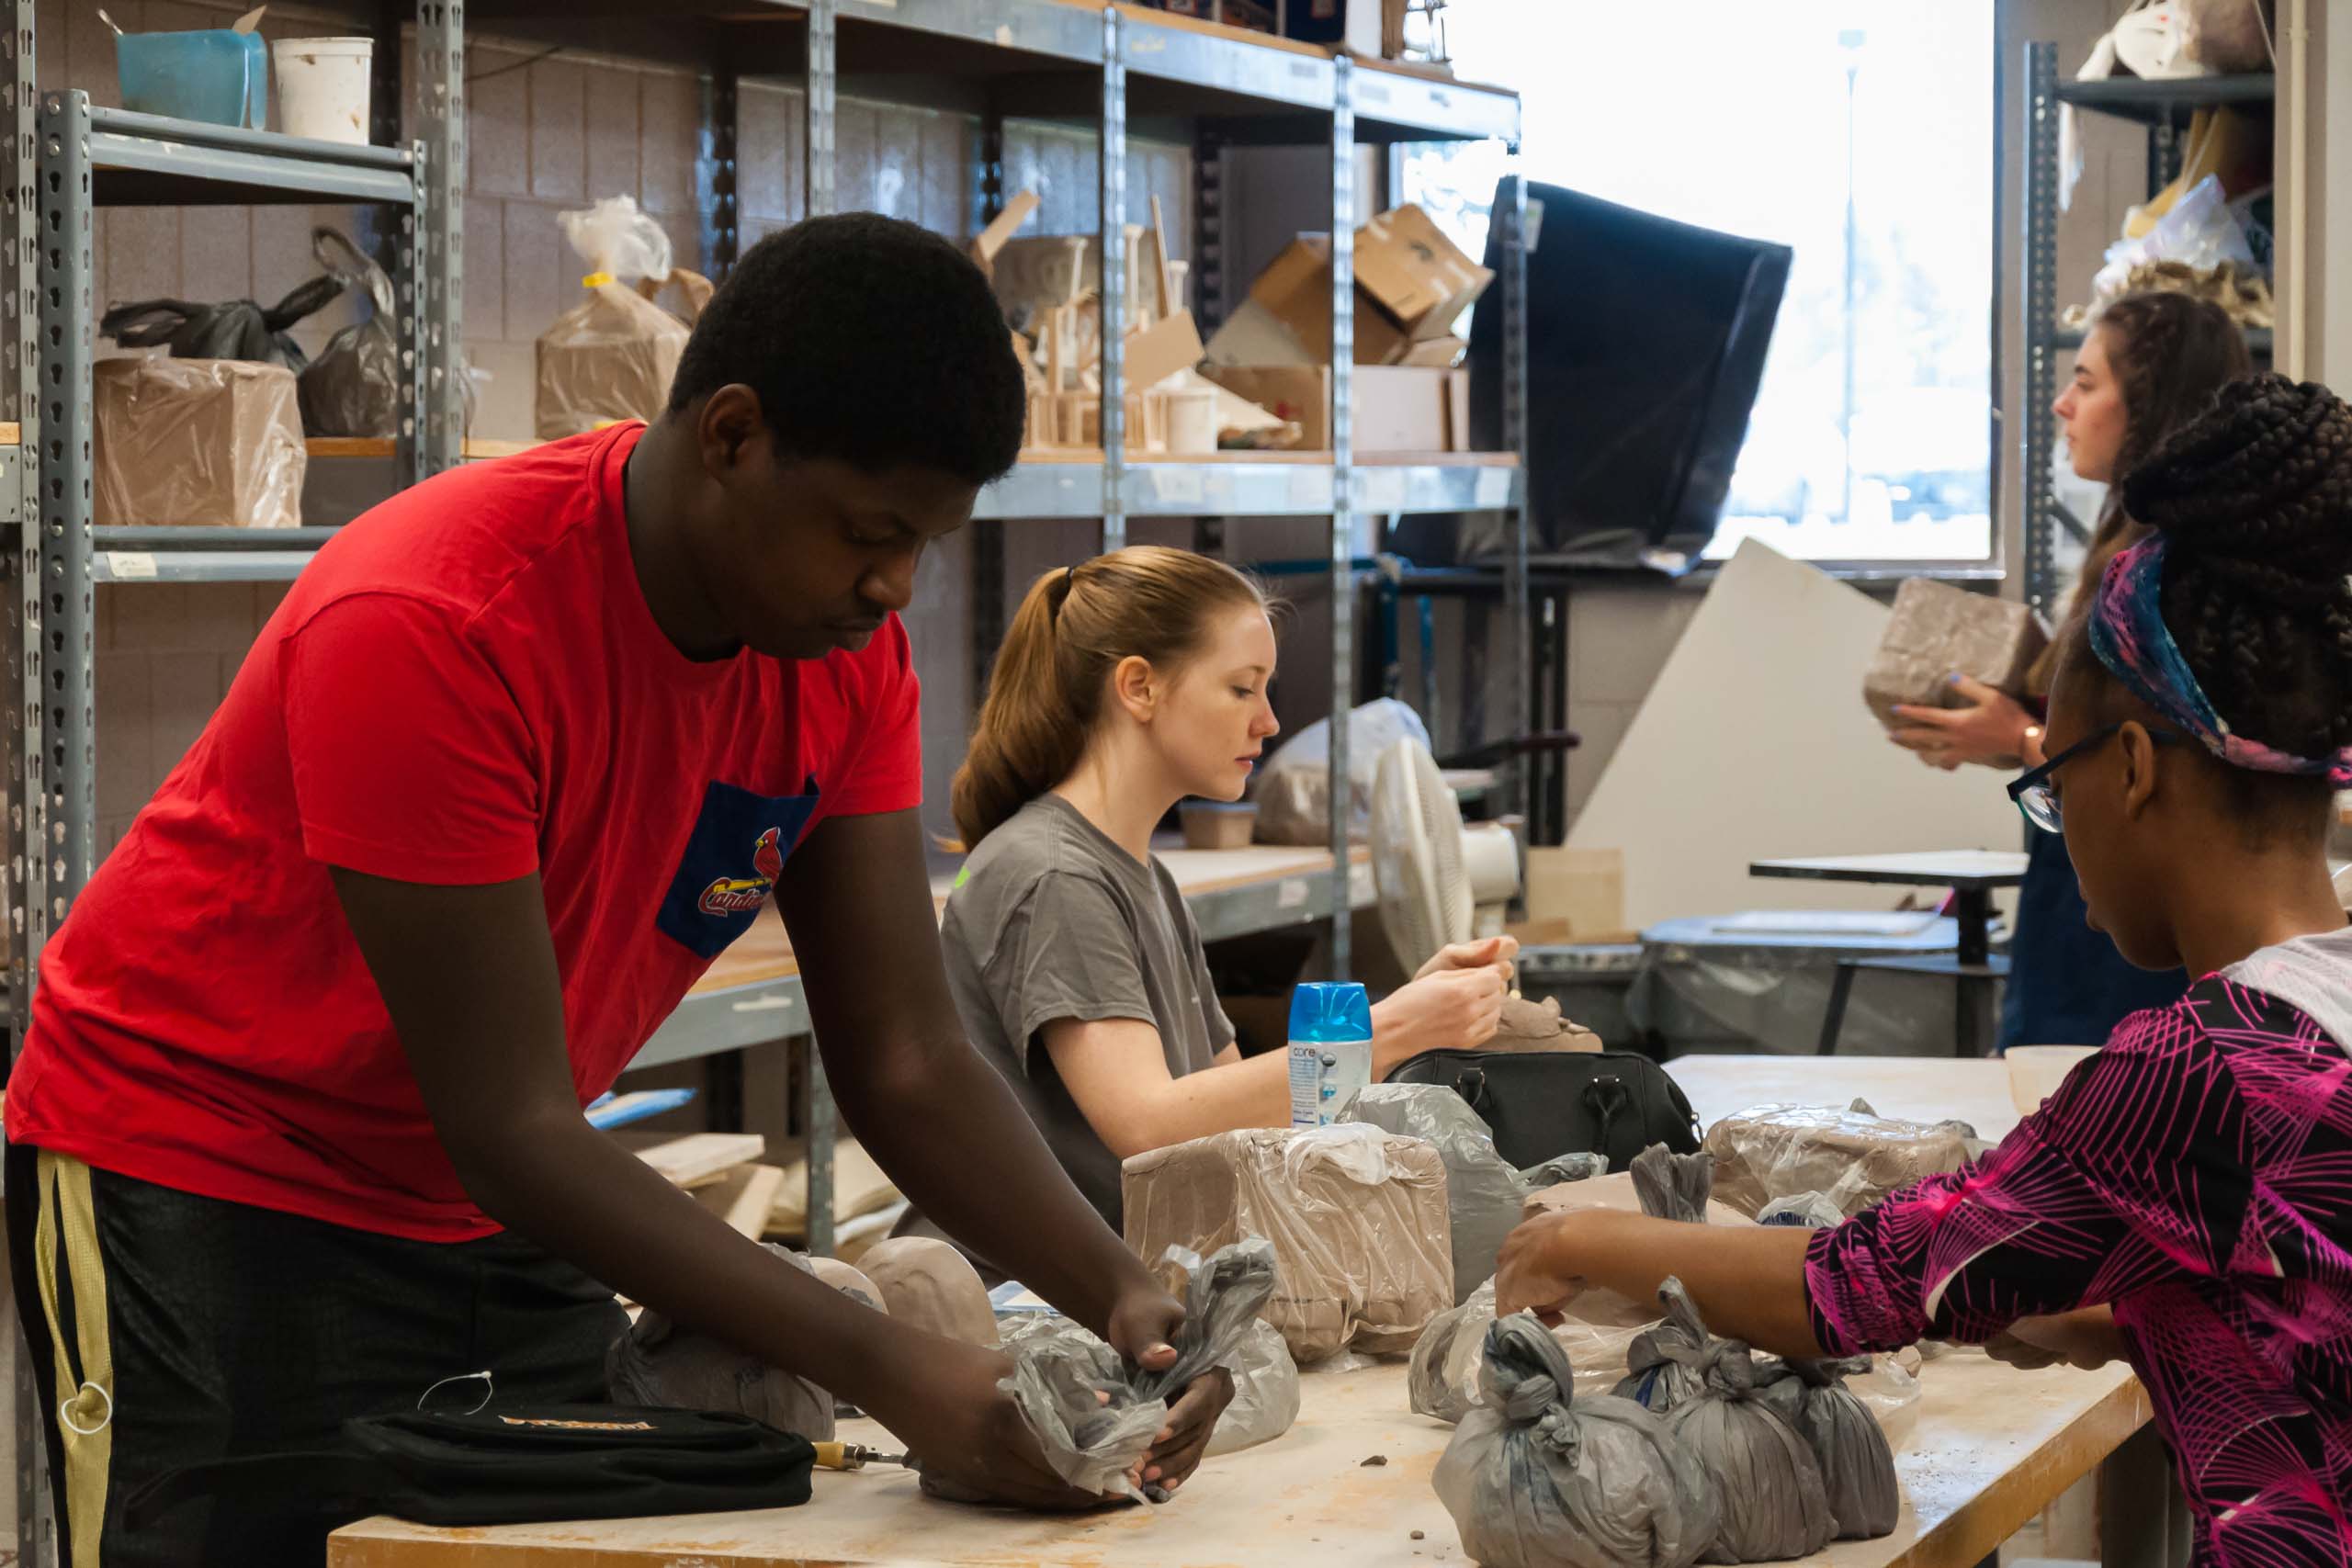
[1937, 630]
[929, 1285]
[848, 1282]
[1363, 1243]
[656, 1362]
[1852, 1157]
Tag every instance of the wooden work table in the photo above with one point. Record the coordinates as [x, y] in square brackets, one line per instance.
[1992, 1449]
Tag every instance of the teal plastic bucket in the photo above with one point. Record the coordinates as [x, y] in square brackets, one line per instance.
[213, 75]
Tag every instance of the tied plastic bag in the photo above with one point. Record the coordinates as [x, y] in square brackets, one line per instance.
[1857, 1462]
[1294, 787]
[611, 356]
[233, 329]
[655, 1362]
[353, 388]
[1362, 1236]
[2200, 232]
[1058, 1370]
[1854, 1158]
[1265, 1379]
[1775, 1504]
[1538, 1476]
[1483, 1193]
[1561, 1169]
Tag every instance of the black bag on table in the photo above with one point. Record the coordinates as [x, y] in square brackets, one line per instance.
[526, 1465]
[1543, 1103]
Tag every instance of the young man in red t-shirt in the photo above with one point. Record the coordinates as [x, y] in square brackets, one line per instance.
[296, 1132]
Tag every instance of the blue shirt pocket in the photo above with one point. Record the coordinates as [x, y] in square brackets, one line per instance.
[731, 865]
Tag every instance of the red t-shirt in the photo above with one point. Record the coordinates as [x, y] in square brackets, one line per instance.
[464, 687]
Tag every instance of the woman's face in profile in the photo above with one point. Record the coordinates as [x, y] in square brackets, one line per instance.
[2091, 412]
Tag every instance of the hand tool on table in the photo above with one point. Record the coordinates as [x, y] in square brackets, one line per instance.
[855, 1456]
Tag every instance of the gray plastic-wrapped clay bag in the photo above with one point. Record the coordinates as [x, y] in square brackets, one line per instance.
[655, 1362]
[1483, 1193]
[1537, 1478]
[1857, 1464]
[1775, 1504]
[1058, 1372]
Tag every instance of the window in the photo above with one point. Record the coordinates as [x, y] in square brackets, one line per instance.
[1735, 115]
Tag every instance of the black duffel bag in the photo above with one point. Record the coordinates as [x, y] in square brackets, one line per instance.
[1543, 1103]
[526, 1465]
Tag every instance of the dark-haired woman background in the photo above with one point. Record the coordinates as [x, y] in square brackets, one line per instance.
[2150, 366]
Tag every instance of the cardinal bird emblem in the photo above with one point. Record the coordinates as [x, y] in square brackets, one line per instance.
[734, 894]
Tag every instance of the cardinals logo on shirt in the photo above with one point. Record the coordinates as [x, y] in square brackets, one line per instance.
[735, 895]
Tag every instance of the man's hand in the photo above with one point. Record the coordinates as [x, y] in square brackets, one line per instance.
[968, 1433]
[1176, 1451]
[1990, 732]
[2087, 1339]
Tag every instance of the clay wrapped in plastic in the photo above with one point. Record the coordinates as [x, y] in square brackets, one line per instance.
[1857, 1462]
[214, 442]
[1483, 1192]
[658, 1363]
[1539, 1477]
[1775, 1504]
[1853, 1156]
[611, 356]
[1362, 1236]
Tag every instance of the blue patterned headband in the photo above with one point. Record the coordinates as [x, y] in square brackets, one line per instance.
[2128, 634]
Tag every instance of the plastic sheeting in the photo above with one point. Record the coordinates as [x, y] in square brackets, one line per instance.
[1483, 1193]
[1294, 787]
[657, 1363]
[1775, 1504]
[1539, 1476]
[1853, 1157]
[612, 356]
[203, 442]
[1060, 1370]
[1856, 1459]
[1759, 981]
[1562, 1169]
[1357, 1217]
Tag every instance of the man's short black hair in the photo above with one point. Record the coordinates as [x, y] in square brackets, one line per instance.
[869, 340]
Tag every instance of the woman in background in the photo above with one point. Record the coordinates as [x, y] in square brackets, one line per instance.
[1125, 684]
[2151, 363]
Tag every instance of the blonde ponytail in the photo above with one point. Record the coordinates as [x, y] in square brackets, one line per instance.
[1073, 627]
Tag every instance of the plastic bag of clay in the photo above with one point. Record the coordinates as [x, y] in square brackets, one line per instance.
[233, 329]
[1293, 791]
[1357, 1217]
[1618, 1189]
[1775, 1504]
[1441, 1379]
[611, 356]
[212, 443]
[1539, 1476]
[1806, 1211]
[353, 388]
[1856, 1459]
[1060, 1370]
[1560, 1169]
[655, 1362]
[1483, 1193]
[1852, 1157]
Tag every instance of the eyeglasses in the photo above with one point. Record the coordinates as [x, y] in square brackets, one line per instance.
[2038, 803]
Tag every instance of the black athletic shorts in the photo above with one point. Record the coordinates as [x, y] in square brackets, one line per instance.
[167, 1329]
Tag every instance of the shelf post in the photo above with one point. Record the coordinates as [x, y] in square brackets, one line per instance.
[1343, 490]
[437, 262]
[818, 105]
[1114, 297]
[714, 169]
[1513, 218]
[2040, 322]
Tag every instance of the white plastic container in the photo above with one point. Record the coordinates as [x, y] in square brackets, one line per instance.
[1192, 423]
[322, 87]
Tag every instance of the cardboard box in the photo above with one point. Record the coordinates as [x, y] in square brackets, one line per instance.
[214, 443]
[1938, 629]
[1577, 895]
[1397, 408]
[1296, 290]
[1421, 277]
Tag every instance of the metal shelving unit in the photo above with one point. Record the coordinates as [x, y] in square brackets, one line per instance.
[2163, 108]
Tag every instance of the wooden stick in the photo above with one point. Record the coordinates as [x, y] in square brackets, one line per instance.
[700, 1158]
[1159, 260]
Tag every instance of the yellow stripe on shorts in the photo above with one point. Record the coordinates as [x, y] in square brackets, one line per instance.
[84, 1413]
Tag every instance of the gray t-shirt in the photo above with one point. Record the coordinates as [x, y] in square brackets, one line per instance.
[1052, 920]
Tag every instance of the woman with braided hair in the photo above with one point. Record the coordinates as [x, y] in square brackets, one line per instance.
[2151, 363]
[2181, 1201]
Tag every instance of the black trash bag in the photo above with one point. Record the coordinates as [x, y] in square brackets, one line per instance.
[353, 386]
[1856, 1464]
[1058, 1372]
[1775, 1503]
[1536, 1478]
[234, 329]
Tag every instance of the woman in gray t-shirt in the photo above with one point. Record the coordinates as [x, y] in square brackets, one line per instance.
[1126, 684]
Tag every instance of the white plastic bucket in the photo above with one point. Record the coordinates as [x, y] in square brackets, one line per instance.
[322, 87]
[1192, 421]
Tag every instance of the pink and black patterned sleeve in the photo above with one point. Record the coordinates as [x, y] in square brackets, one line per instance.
[2138, 1170]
